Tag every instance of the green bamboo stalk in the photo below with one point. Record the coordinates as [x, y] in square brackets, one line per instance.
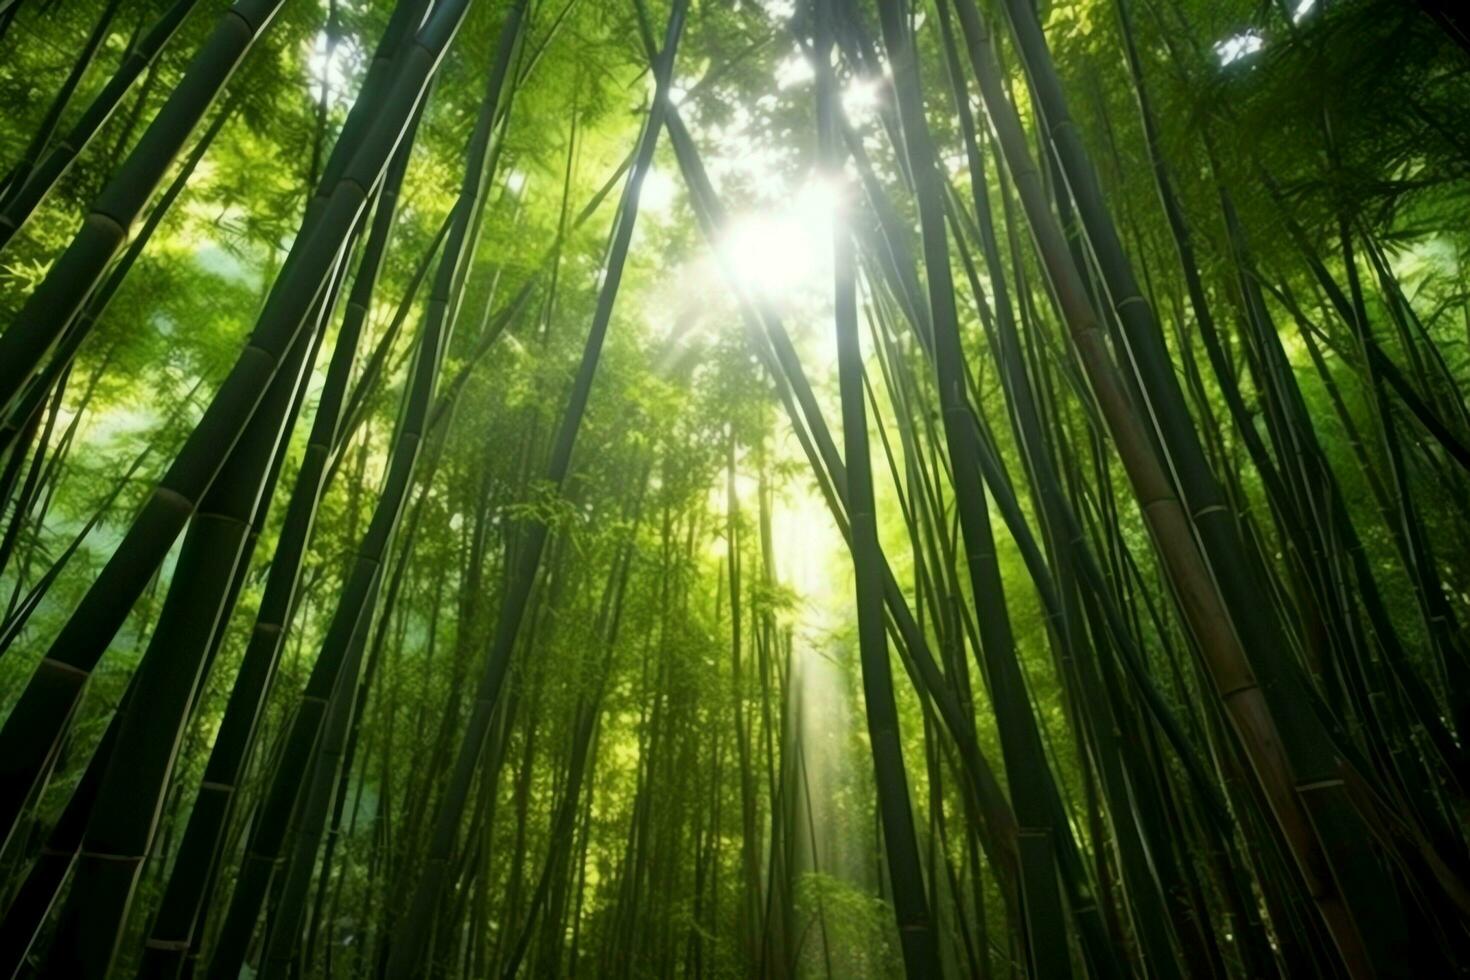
[43, 320]
[910, 906]
[1400, 509]
[24, 196]
[336, 665]
[410, 938]
[52, 866]
[444, 298]
[284, 922]
[174, 928]
[41, 138]
[31, 485]
[35, 393]
[124, 817]
[15, 622]
[752, 932]
[32, 732]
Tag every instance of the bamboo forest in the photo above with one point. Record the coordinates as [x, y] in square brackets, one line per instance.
[734, 488]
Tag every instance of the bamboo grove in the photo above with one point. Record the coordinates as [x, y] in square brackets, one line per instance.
[823, 488]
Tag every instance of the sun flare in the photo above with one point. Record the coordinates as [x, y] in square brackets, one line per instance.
[783, 250]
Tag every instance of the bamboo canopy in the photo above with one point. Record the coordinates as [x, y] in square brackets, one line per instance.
[712, 488]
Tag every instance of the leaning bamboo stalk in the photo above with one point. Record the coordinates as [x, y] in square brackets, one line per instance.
[491, 328]
[43, 320]
[1331, 563]
[392, 598]
[1194, 587]
[1303, 453]
[1398, 508]
[124, 817]
[33, 900]
[905, 873]
[1407, 791]
[409, 940]
[493, 323]
[41, 138]
[284, 928]
[174, 927]
[23, 197]
[32, 733]
[284, 932]
[1440, 620]
[15, 621]
[996, 828]
[30, 488]
[336, 667]
[11, 426]
[52, 867]
[1436, 377]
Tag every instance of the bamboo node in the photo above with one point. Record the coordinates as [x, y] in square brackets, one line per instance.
[61, 665]
[116, 858]
[103, 218]
[170, 945]
[173, 498]
[1239, 689]
[1161, 500]
[272, 357]
[1319, 784]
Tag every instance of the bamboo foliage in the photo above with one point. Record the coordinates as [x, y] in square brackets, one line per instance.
[37, 174]
[920, 951]
[327, 700]
[409, 941]
[51, 696]
[1116, 348]
[39, 326]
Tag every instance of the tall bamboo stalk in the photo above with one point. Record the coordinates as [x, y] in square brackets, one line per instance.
[336, 668]
[173, 930]
[32, 732]
[52, 306]
[409, 940]
[41, 138]
[46, 381]
[1195, 588]
[905, 873]
[444, 305]
[215, 554]
[23, 196]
